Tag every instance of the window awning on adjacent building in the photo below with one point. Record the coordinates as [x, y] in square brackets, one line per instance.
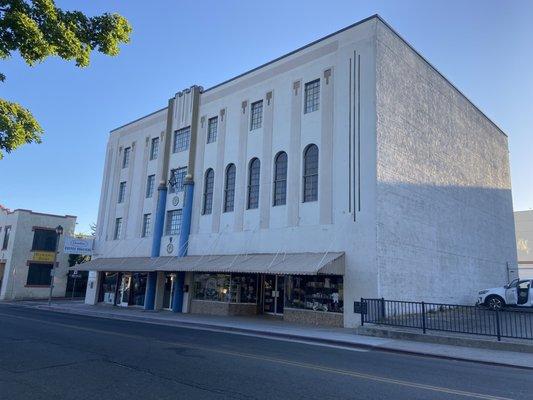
[288, 264]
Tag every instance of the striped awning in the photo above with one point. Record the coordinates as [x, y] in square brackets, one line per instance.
[288, 264]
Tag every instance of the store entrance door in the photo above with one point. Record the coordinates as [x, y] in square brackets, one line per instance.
[168, 291]
[125, 290]
[273, 294]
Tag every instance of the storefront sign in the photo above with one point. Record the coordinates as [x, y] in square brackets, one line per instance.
[46, 256]
[74, 245]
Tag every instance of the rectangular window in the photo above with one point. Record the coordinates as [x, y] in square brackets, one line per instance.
[182, 139]
[147, 225]
[212, 287]
[150, 183]
[173, 226]
[121, 192]
[126, 158]
[7, 231]
[212, 126]
[312, 292]
[39, 274]
[256, 118]
[177, 177]
[154, 148]
[44, 240]
[312, 96]
[118, 228]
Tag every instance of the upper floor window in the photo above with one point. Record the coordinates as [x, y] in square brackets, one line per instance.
[209, 182]
[256, 118]
[312, 96]
[212, 126]
[310, 180]
[118, 229]
[280, 179]
[253, 183]
[126, 157]
[44, 240]
[173, 225]
[154, 148]
[182, 139]
[177, 177]
[147, 225]
[7, 231]
[150, 186]
[121, 192]
[229, 188]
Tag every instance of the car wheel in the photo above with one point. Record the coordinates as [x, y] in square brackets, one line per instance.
[495, 303]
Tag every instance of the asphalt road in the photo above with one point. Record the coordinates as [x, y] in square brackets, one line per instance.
[46, 355]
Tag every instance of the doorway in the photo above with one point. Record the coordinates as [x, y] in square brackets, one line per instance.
[273, 294]
[168, 291]
[125, 290]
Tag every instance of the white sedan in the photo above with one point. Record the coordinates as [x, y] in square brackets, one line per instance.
[518, 293]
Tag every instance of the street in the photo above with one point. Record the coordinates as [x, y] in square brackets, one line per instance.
[47, 355]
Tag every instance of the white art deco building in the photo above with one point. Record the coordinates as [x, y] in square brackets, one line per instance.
[347, 168]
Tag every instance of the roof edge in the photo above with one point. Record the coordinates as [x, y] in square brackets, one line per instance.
[138, 119]
[440, 73]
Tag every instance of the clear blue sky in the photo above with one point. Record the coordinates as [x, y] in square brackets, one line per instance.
[484, 47]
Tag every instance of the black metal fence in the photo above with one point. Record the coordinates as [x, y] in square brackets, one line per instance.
[517, 324]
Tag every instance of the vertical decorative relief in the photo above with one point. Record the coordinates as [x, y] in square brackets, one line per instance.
[240, 180]
[325, 184]
[294, 184]
[354, 135]
[219, 172]
[266, 166]
[199, 173]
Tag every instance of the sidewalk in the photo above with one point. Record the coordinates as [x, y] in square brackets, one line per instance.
[278, 329]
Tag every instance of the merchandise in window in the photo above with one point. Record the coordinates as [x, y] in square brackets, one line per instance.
[213, 287]
[243, 288]
[317, 293]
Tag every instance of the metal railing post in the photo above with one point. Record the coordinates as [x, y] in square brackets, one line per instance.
[383, 307]
[498, 330]
[362, 312]
[423, 317]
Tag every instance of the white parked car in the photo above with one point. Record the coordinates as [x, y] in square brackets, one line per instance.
[518, 293]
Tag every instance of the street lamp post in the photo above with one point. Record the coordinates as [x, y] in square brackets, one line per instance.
[59, 232]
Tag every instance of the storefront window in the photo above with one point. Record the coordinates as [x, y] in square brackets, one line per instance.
[244, 288]
[109, 287]
[214, 287]
[139, 288]
[315, 292]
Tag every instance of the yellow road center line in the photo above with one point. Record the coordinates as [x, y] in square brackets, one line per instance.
[358, 375]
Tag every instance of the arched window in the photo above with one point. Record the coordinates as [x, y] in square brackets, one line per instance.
[229, 188]
[280, 179]
[310, 173]
[209, 182]
[253, 183]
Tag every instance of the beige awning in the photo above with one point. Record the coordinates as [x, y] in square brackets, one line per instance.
[288, 264]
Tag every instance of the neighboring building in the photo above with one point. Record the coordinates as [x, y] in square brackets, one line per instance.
[27, 245]
[348, 168]
[524, 242]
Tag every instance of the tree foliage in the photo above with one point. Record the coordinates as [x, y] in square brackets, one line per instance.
[37, 29]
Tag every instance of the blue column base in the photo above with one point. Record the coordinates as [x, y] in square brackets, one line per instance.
[151, 284]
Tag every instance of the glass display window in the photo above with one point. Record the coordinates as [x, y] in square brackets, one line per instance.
[315, 292]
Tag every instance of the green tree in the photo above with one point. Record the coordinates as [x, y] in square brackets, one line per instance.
[37, 29]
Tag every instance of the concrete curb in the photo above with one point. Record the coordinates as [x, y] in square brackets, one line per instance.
[447, 340]
[272, 335]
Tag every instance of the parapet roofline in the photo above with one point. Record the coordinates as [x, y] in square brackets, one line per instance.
[375, 16]
[40, 213]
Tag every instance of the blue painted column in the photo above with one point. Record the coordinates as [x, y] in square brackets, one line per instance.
[151, 284]
[177, 296]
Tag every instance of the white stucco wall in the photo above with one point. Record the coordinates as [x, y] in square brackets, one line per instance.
[18, 254]
[444, 222]
[524, 242]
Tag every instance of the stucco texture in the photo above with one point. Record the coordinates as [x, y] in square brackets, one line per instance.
[444, 209]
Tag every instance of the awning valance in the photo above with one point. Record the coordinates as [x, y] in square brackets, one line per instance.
[288, 263]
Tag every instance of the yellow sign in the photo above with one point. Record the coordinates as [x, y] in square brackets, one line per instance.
[47, 256]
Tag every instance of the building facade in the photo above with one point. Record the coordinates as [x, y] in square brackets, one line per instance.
[348, 168]
[28, 241]
[524, 243]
